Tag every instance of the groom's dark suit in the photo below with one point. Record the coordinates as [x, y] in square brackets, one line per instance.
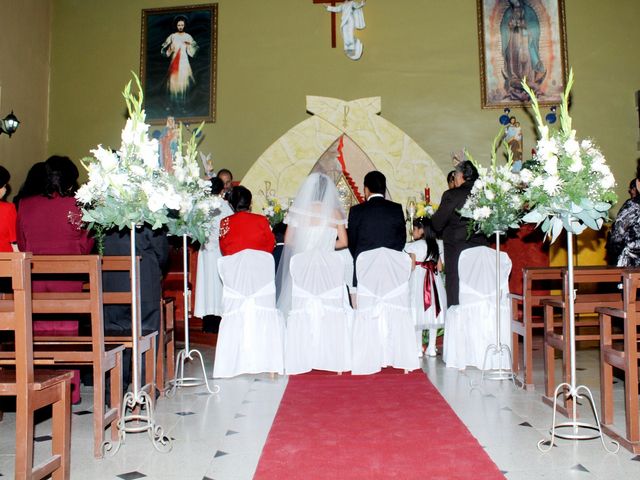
[375, 223]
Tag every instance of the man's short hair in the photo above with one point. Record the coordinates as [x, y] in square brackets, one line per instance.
[224, 171]
[375, 182]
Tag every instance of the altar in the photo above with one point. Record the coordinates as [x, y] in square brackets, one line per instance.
[345, 140]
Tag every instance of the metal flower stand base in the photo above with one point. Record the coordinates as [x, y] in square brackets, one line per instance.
[188, 354]
[498, 349]
[137, 413]
[574, 429]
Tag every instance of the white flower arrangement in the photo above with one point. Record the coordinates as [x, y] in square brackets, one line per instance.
[194, 206]
[568, 184]
[128, 186]
[495, 202]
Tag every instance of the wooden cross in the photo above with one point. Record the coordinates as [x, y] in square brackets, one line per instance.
[333, 19]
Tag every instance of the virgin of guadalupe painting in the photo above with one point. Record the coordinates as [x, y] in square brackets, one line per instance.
[178, 63]
[521, 39]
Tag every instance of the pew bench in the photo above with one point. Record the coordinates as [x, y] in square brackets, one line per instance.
[624, 356]
[556, 335]
[33, 389]
[537, 282]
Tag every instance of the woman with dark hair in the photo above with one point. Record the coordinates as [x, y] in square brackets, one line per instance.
[208, 303]
[428, 298]
[50, 224]
[623, 244]
[452, 227]
[7, 215]
[34, 184]
[244, 230]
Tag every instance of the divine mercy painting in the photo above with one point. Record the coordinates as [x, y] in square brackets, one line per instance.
[521, 39]
[178, 63]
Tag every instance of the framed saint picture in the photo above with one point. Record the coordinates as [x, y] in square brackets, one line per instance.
[521, 39]
[178, 56]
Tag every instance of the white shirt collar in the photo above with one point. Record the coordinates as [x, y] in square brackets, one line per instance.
[375, 195]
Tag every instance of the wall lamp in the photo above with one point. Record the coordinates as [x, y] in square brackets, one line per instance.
[9, 124]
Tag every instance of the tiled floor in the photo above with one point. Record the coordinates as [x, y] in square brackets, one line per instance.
[221, 436]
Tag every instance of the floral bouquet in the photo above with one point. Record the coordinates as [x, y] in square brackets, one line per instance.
[128, 186]
[425, 209]
[274, 210]
[495, 203]
[568, 183]
[197, 205]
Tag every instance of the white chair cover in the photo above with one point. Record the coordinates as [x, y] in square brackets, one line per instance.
[251, 337]
[383, 328]
[318, 333]
[470, 327]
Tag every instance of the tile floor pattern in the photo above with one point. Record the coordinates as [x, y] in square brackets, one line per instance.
[220, 437]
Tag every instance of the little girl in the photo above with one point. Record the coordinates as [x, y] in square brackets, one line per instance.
[428, 297]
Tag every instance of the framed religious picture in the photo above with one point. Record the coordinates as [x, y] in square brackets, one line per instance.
[521, 39]
[178, 56]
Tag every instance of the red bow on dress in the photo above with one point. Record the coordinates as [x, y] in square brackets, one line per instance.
[429, 290]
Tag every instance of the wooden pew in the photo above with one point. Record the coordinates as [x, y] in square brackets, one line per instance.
[165, 367]
[80, 350]
[33, 389]
[534, 280]
[585, 303]
[626, 359]
[146, 343]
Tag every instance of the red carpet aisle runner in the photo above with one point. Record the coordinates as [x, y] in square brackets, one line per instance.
[370, 427]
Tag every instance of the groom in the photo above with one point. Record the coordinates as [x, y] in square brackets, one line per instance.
[377, 222]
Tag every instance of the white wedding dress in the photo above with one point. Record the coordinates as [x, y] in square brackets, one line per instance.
[312, 224]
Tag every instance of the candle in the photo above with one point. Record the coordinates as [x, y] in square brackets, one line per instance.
[427, 195]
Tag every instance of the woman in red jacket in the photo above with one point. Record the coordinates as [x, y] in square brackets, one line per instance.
[50, 224]
[244, 230]
[7, 216]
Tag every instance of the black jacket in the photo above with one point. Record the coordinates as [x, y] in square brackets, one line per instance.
[376, 223]
[452, 227]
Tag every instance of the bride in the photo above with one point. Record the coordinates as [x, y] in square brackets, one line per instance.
[316, 221]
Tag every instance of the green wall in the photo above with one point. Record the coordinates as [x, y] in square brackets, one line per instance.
[421, 57]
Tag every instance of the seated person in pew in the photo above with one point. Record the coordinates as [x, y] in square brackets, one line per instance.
[49, 223]
[152, 247]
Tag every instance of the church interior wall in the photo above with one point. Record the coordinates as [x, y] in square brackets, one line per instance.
[24, 82]
[420, 57]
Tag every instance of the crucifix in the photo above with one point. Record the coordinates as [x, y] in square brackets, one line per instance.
[333, 19]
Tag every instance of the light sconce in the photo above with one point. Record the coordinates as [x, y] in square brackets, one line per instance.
[9, 124]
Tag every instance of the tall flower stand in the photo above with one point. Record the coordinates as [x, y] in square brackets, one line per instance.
[498, 349]
[137, 414]
[574, 429]
[187, 353]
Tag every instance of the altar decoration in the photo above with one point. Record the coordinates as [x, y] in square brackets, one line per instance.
[197, 205]
[495, 203]
[569, 186]
[369, 142]
[273, 208]
[494, 206]
[128, 186]
[425, 209]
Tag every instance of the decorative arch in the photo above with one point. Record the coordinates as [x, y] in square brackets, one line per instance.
[367, 142]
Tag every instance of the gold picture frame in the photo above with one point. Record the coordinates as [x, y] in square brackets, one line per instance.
[517, 39]
[178, 63]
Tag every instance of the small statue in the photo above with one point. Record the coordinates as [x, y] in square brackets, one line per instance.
[352, 18]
